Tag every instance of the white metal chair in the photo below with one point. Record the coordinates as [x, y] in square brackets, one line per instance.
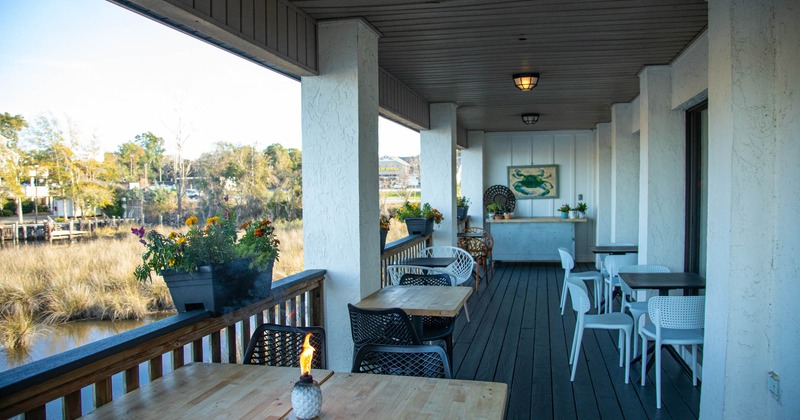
[568, 263]
[614, 321]
[676, 320]
[637, 309]
[461, 269]
[397, 271]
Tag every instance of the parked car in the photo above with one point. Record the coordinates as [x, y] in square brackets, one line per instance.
[192, 193]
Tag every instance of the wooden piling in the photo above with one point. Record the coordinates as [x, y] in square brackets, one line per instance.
[71, 229]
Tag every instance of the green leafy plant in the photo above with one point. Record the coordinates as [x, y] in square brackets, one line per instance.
[582, 207]
[462, 201]
[213, 243]
[495, 208]
[411, 210]
[564, 208]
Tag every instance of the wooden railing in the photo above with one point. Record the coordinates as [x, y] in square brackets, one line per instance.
[401, 249]
[296, 300]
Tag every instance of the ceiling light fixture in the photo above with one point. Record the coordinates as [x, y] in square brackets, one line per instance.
[530, 119]
[526, 81]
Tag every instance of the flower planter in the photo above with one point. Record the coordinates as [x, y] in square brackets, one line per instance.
[384, 232]
[220, 288]
[564, 214]
[419, 226]
[461, 212]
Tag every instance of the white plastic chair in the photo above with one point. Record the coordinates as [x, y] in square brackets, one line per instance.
[615, 321]
[568, 263]
[637, 309]
[625, 259]
[676, 320]
[396, 272]
[612, 281]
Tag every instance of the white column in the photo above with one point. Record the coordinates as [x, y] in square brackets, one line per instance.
[624, 175]
[340, 175]
[472, 176]
[438, 169]
[603, 187]
[754, 210]
[662, 179]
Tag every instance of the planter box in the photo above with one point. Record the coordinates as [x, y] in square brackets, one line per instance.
[219, 288]
[383, 239]
[461, 212]
[419, 226]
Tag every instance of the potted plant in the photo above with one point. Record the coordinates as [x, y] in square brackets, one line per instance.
[208, 267]
[564, 209]
[582, 207]
[384, 220]
[507, 210]
[419, 220]
[462, 207]
[495, 209]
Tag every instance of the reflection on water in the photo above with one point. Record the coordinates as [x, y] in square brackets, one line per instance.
[55, 339]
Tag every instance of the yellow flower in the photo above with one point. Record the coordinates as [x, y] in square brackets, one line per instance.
[212, 220]
[173, 235]
[191, 221]
[180, 240]
[171, 262]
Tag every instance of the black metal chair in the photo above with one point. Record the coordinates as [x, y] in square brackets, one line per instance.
[281, 345]
[390, 327]
[433, 327]
[426, 361]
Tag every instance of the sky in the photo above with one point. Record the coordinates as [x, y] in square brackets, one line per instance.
[115, 74]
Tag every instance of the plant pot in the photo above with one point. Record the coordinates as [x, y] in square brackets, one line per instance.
[219, 288]
[564, 214]
[573, 214]
[461, 212]
[498, 216]
[581, 214]
[384, 232]
[419, 226]
[506, 216]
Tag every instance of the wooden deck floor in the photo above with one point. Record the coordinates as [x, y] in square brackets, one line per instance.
[518, 336]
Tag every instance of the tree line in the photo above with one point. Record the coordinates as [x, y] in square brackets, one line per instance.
[256, 183]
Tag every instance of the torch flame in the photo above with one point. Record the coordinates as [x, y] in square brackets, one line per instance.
[306, 356]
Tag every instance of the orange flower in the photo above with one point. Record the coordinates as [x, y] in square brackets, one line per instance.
[191, 221]
[259, 232]
[245, 225]
[212, 220]
[265, 223]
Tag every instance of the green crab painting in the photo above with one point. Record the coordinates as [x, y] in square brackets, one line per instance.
[532, 184]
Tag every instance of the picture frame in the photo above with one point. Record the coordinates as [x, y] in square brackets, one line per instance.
[533, 181]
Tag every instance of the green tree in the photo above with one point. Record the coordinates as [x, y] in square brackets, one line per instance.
[131, 154]
[10, 127]
[153, 147]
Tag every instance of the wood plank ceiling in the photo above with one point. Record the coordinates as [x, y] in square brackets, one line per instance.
[588, 53]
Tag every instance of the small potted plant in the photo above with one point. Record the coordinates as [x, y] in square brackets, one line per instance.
[384, 220]
[462, 206]
[495, 209]
[419, 220]
[582, 207]
[564, 209]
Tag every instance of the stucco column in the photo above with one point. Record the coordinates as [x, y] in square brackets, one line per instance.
[752, 320]
[662, 179]
[438, 169]
[603, 188]
[472, 176]
[624, 175]
[340, 175]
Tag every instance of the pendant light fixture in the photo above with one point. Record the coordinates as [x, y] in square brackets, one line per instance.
[530, 119]
[526, 81]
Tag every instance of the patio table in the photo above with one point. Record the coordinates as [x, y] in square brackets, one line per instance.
[211, 390]
[615, 249]
[433, 262]
[477, 235]
[419, 301]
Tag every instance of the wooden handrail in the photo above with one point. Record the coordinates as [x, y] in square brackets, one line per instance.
[401, 249]
[29, 387]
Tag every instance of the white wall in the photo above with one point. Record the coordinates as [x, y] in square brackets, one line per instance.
[573, 152]
[690, 74]
[472, 176]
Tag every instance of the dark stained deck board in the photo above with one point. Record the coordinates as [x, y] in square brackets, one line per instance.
[518, 336]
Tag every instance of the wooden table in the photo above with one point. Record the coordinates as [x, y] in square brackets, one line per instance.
[211, 390]
[434, 262]
[664, 282]
[478, 235]
[419, 300]
[359, 395]
[615, 249]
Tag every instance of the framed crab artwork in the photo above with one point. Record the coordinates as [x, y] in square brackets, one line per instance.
[533, 181]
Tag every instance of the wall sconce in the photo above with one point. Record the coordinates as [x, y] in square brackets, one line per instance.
[526, 81]
[530, 119]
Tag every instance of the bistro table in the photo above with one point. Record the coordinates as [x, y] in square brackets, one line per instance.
[419, 301]
[433, 262]
[211, 390]
[615, 249]
[359, 395]
[477, 235]
[664, 282]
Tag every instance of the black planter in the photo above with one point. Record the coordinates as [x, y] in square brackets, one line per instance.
[419, 226]
[383, 239]
[461, 213]
[219, 288]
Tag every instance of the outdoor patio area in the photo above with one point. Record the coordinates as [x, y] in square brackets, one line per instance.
[518, 336]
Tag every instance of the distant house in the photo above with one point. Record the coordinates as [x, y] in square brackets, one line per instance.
[395, 172]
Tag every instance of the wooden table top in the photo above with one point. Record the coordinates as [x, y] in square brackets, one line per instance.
[419, 300]
[429, 261]
[663, 281]
[359, 395]
[616, 249]
[470, 235]
[211, 390]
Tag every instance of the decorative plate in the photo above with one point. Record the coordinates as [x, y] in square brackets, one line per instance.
[500, 194]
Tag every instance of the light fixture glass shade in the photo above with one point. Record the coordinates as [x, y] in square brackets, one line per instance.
[530, 119]
[526, 81]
